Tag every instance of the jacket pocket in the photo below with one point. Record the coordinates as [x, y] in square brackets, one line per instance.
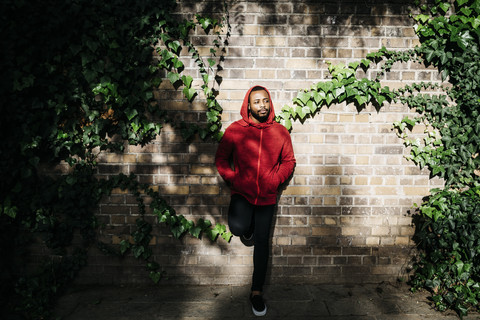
[271, 183]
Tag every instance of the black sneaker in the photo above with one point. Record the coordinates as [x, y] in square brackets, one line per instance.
[247, 239]
[258, 306]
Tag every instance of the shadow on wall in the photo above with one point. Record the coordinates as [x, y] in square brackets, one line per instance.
[198, 190]
[317, 18]
[187, 177]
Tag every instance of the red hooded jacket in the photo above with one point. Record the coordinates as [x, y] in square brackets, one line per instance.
[262, 156]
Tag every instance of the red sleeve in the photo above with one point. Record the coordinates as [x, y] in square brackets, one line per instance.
[222, 157]
[287, 159]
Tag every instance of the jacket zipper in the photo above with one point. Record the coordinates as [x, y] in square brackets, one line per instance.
[258, 166]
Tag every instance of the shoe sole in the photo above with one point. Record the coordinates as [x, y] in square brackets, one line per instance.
[261, 313]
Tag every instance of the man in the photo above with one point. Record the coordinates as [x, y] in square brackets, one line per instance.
[262, 155]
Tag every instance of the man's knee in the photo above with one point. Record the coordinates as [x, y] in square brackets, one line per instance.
[237, 229]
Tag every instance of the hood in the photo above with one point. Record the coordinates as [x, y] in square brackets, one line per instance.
[244, 111]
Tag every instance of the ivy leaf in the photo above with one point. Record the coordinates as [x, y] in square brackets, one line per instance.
[351, 91]
[227, 236]
[177, 63]
[463, 39]
[303, 97]
[211, 62]
[8, 209]
[422, 18]
[156, 276]
[131, 113]
[365, 64]
[177, 231]
[354, 65]
[312, 107]
[444, 6]
[212, 116]
[138, 250]
[175, 46]
[187, 81]
[325, 86]
[189, 93]
[361, 100]
[124, 246]
[173, 77]
[338, 91]
[212, 234]
[329, 98]
[430, 54]
[286, 123]
[475, 23]
[318, 96]
[381, 99]
[195, 231]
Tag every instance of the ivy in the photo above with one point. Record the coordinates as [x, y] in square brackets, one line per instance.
[447, 221]
[78, 79]
[344, 86]
[139, 241]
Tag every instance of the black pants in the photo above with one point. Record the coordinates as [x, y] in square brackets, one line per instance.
[243, 217]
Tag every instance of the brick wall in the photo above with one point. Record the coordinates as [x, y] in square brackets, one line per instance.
[344, 215]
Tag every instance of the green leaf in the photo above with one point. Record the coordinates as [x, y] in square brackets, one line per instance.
[173, 77]
[444, 6]
[381, 99]
[8, 209]
[131, 113]
[195, 231]
[422, 18]
[329, 98]
[212, 234]
[189, 93]
[354, 65]
[287, 123]
[212, 116]
[177, 63]
[138, 250]
[175, 46]
[124, 246]
[475, 23]
[325, 86]
[463, 39]
[318, 96]
[430, 54]
[361, 100]
[338, 91]
[187, 81]
[303, 97]
[177, 231]
[156, 276]
[227, 236]
[312, 107]
[211, 62]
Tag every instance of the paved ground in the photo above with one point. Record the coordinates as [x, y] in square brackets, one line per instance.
[359, 302]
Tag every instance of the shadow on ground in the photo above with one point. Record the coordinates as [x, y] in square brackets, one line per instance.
[363, 302]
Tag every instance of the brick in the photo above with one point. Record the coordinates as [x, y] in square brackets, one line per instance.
[326, 231]
[420, 191]
[291, 190]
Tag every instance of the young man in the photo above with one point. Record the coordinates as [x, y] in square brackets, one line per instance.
[262, 155]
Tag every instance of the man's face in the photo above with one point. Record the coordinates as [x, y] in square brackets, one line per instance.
[259, 106]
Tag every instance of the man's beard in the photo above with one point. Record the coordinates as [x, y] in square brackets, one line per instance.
[260, 118]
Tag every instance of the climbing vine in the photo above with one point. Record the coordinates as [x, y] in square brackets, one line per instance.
[78, 79]
[447, 222]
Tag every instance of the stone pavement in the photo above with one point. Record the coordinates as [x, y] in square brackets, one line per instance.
[340, 302]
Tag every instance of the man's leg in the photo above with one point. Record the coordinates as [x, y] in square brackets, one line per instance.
[263, 219]
[240, 214]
